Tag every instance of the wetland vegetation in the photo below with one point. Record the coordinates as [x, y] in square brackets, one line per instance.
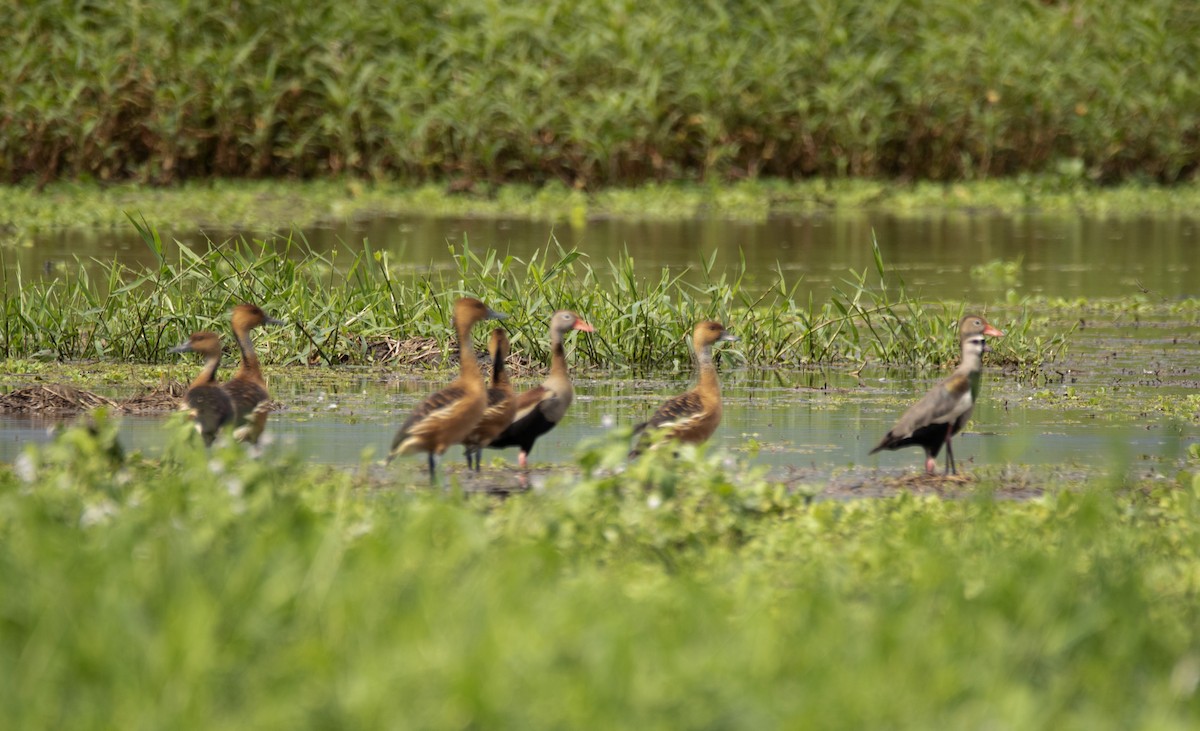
[193, 588]
[352, 307]
[202, 589]
[272, 206]
[743, 584]
[606, 94]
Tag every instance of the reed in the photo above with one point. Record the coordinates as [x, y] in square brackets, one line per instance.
[347, 305]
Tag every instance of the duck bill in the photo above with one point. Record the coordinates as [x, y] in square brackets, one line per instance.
[274, 321]
[181, 348]
[992, 332]
[728, 338]
[581, 325]
[493, 315]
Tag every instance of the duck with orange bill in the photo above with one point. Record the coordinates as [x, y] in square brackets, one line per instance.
[541, 408]
[446, 417]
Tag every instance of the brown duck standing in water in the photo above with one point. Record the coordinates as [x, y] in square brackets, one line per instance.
[946, 408]
[501, 403]
[446, 417]
[208, 404]
[541, 408]
[691, 417]
[247, 389]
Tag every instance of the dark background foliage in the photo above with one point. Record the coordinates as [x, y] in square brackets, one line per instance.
[615, 92]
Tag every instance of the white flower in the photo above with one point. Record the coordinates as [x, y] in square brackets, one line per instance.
[25, 467]
[654, 501]
[97, 513]
[360, 528]
[1185, 676]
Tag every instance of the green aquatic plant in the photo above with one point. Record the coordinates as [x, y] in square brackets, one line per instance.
[272, 593]
[1185, 407]
[257, 206]
[592, 95]
[355, 305]
[998, 272]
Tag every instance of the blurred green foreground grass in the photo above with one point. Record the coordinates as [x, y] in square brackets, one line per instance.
[207, 590]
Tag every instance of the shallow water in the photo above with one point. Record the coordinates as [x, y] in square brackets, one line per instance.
[1067, 256]
[823, 421]
[1098, 408]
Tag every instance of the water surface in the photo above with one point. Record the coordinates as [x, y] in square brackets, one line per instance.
[820, 420]
[1071, 256]
[1098, 411]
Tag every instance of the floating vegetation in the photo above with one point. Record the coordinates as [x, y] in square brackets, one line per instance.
[998, 273]
[1181, 407]
[279, 205]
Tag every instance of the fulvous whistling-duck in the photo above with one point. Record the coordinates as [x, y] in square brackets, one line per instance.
[540, 409]
[446, 417]
[210, 406]
[693, 416]
[501, 404]
[247, 388]
[946, 408]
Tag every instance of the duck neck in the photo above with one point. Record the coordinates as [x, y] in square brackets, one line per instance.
[249, 367]
[558, 355]
[708, 371]
[499, 371]
[468, 366]
[208, 374]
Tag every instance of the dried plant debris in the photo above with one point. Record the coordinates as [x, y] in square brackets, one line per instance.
[164, 397]
[55, 398]
[60, 398]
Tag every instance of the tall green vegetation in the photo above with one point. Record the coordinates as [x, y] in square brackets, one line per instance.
[592, 93]
[204, 590]
[354, 308]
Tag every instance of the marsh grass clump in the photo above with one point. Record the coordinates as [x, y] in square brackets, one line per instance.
[361, 308]
[687, 589]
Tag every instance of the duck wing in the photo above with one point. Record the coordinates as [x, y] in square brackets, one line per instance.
[676, 412]
[428, 412]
